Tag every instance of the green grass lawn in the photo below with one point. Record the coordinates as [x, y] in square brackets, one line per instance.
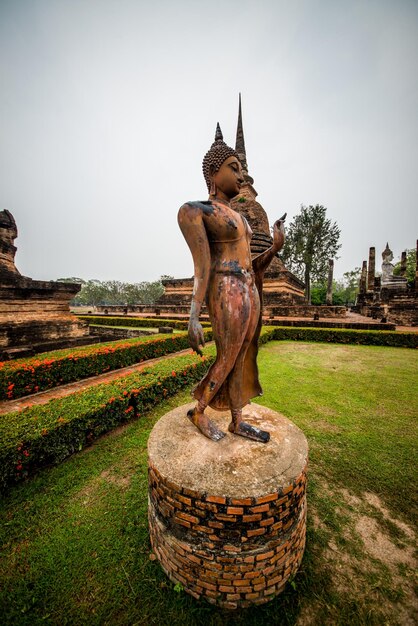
[75, 547]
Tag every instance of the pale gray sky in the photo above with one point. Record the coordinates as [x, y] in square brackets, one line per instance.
[108, 106]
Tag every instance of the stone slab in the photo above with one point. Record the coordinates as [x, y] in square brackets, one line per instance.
[234, 466]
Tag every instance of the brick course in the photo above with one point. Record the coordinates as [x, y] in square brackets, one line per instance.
[233, 552]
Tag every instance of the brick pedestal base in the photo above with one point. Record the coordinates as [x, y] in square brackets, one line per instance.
[228, 518]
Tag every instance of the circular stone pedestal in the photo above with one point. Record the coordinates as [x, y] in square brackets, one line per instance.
[228, 519]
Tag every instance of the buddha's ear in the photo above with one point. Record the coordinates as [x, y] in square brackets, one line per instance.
[212, 170]
[212, 186]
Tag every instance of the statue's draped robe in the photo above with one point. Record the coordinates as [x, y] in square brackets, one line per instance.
[250, 385]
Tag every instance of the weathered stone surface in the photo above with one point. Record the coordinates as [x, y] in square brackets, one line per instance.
[107, 333]
[416, 269]
[391, 298]
[403, 264]
[35, 316]
[329, 284]
[309, 311]
[234, 466]
[371, 269]
[228, 518]
[363, 278]
[8, 234]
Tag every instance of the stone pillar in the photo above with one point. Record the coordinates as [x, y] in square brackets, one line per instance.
[363, 278]
[403, 264]
[228, 518]
[329, 286]
[416, 271]
[371, 272]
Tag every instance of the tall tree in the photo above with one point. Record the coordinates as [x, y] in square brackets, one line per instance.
[311, 239]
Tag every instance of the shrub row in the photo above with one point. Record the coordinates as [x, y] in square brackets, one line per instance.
[394, 339]
[332, 335]
[138, 322]
[45, 435]
[26, 376]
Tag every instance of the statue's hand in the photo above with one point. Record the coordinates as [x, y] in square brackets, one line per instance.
[196, 337]
[278, 233]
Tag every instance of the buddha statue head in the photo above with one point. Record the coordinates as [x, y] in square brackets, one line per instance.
[387, 254]
[215, 158]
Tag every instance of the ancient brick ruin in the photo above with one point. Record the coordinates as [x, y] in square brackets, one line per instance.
[388, 297]
[34, 315]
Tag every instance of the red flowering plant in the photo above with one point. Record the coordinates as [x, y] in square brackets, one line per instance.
[26, 376]
[53, 431]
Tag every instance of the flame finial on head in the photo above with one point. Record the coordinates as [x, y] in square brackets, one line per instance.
[216, 155]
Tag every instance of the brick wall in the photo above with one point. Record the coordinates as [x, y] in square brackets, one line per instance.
[233, 552]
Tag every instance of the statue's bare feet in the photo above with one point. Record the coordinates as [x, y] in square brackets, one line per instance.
[206, 426]
[251, 432]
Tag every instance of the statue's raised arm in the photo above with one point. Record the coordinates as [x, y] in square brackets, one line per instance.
[263, 260]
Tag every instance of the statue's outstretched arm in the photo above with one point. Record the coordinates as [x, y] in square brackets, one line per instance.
[262, 261]
[190, 219]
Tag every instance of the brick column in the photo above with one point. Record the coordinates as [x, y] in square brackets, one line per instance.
[363, 278]
[228, 519]
[372, 269]
[416, 271]
[329, 286]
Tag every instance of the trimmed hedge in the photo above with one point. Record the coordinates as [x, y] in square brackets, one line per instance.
[23, 377]
[26, 376]
[138, 322]
[46, 435]
[394, 339]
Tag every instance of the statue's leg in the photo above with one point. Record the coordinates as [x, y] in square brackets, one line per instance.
[228, 331]
[236, 381]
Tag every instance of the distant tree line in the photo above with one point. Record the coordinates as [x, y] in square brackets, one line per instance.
[96, 292]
